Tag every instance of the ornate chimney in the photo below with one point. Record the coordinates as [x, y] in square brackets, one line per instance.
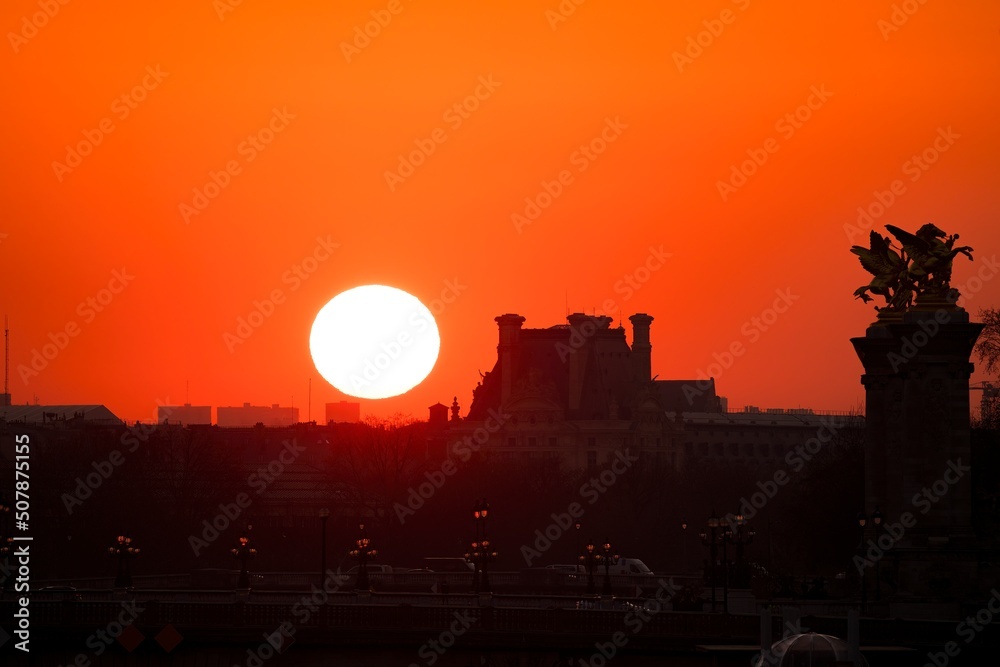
[641, 349]
[510, 333]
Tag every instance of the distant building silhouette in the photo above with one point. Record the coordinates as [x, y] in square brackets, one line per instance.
[579, 392]
[343, 412]
[184, 414]
[250, 415]
[438, 415]
[50, 414]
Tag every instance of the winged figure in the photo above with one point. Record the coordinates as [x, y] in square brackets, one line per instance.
[930, 252]
[889, 267]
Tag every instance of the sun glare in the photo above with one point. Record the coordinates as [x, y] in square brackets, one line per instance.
[374, 341]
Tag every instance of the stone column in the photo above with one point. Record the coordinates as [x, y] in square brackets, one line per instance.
[917, 447]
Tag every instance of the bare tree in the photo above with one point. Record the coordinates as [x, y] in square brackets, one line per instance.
[988, 346]
[376, 462]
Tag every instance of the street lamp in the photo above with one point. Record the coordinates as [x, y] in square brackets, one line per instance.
[243, 552]
[481, 554]
[363, 554]
[589, 560]
[877, 520]
[124, 551]
[741, 539]
[862, 522]
[6, 543]
[324, 514]
[709, 539]
[609, 559]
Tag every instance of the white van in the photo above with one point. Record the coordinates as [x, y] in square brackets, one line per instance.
[630, 566]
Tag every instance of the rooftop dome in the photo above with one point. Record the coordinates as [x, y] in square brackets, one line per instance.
[808, 650]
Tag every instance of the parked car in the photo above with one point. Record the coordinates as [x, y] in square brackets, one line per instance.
[572, 569]
[68, 592]
[373, 568]
[631, 566]
[443, 564]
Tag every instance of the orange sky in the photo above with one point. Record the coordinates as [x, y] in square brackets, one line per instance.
[201, 77]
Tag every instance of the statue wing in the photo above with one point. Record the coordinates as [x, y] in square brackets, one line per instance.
[915, 247]
[880, 259]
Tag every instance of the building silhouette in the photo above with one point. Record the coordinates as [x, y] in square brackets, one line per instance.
[343, 412]
[250, 415]
[184, 414]
[579, 392]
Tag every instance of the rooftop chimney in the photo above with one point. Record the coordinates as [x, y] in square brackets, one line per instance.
[641, 349]
[510, 330]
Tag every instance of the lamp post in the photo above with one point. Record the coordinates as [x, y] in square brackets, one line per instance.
[862, 522]
[243, 552]
[709, 540]
[481, 554]
[6, 544]
[124, 551]
[724, 538]
[324, 514]
[877, 520]
[608, 559]
[363, 554]
[741, 538]
[589, 560]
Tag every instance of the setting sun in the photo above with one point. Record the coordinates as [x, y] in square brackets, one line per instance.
[374, 341]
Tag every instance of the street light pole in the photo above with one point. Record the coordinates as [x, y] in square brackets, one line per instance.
[709, 540]
[480, 555]
[589, 559]
[609, 559]
[243, 552]
[877, 520]
[862, 521]
[363, 553]
[324, 514]
[124, 551]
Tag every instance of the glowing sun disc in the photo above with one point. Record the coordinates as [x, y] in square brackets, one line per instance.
[374, 341]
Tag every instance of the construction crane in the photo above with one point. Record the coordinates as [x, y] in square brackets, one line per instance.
[988, 404]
